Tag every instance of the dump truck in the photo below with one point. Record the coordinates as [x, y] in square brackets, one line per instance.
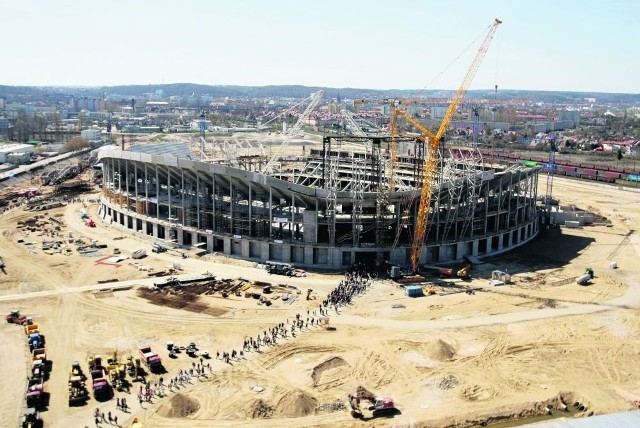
[95, 362]
[36, 340]
[35, 389]
[38, 369]
[30, 329]
[39, 354]
[100, 385]
[150, 359]
[14, 317]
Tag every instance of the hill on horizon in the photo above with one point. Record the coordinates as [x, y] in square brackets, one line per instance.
[300, 91]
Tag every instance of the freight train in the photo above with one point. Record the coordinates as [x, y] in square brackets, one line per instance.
[602, 173]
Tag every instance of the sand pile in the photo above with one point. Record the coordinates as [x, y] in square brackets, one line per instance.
[179, 406]
[329, 364]
[440, 350]
[295, 404]
[261, 409]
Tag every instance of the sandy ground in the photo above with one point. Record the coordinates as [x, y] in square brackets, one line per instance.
[451, 359]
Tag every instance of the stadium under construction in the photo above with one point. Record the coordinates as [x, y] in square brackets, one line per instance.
[345, 202]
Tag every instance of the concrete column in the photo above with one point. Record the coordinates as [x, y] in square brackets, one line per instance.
[460, 248]
[244, 248]
[197, 199]
[474, 248]
[226, 245]
[155, 230]
[308, 256]
[264, 251]
[194, 238]
[501, 241]
[180, 236]
[210, 242]
[334, 258]
[157, 194]
[146, 183]
[286, 253]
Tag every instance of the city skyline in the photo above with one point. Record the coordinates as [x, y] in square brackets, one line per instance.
[556, 46]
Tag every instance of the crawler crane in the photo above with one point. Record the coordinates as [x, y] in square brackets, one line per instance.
[430, 165]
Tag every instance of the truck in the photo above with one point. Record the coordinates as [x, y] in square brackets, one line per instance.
[14, 317]
[30, 329]
[279, 268]
[100, 385]
[36, 340]
[396, 272]
[38, 369]
[78, 394]
[39, 354]
[35, 389]
[150, 359]
[31, 419]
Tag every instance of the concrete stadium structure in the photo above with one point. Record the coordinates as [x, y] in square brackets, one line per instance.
[336, 206]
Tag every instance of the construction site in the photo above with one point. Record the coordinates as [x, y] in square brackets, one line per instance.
[330, 209]
[360, 279]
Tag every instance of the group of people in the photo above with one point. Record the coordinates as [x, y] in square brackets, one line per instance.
[100, 417]
[355, 282]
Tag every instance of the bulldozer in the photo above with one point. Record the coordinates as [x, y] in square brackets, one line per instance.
[379, 406]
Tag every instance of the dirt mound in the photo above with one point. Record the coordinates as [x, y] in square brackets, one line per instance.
[329, 364]
[295, 404]
[440, 350]
[179, 406]
[261, 409]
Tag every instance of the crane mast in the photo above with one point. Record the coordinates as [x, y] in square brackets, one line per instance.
[430, 165]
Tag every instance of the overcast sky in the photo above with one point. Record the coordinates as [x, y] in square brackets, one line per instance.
[572, 45]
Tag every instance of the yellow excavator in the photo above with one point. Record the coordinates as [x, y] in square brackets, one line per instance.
[464, 272]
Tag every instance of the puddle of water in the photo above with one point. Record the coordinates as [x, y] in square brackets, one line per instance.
[557, 414]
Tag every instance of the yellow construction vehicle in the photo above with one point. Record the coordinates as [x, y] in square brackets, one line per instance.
[429, 290]
[464, 272]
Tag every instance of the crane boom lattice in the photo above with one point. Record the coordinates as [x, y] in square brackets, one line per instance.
[430, 166]
[295, 129]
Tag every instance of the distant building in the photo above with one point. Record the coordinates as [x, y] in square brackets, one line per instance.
[91, 134]
[571, 116]
[438, 112]
[4, 127]
[6, 149]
